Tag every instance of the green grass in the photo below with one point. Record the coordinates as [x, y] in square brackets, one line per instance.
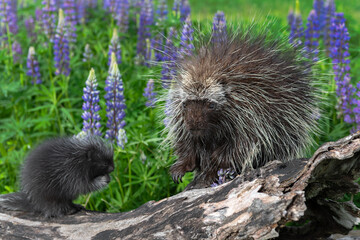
[29, 114]
[244, 9]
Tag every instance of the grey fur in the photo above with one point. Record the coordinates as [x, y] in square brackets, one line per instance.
[239, 104]
[57, 172]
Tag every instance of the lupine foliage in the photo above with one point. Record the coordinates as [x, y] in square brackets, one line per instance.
[32, 112]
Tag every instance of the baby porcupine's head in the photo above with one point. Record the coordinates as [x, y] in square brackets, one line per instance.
[98, 163]
[252, 92]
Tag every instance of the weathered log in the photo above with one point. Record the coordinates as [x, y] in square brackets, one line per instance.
[258, 204]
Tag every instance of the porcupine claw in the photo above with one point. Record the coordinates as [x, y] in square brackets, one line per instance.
[177, 177]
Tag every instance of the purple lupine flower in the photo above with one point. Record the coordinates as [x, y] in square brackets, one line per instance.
[8, 17]
[106, 4]
[176, 7]
[115, 105]
[224, 175]
[38, 18]
[13, 24]
[184, 10]
[157, 42]
[150, 94]
[30, 28]
[162, 11]
[329, 14]
[59, 3]
[61, 47]
[319, 8]
[157, 47]
[296, 27]
[91, 106]
[69, 8]
[87, 55]
[186, 45]
[33, 67]
[122, 16]
[81, 10]
[92, 3]
[312, 34]
[114, 47]
[146, 20]
[219, 28]
[169, 58]
[17, 51]
[111, 6]
[339, 54]
[290, 17]
[49, 18]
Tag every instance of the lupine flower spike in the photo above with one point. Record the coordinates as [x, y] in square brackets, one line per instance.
[30, 28]
[184, 10]
[91, 124]
[157, 44]
[61, 47]
[87, 56]
[69, 7]
[186, 45]
[319, 9]
[115, 105]
[111, 6]
[39, 18]
[114, 47]
[13, 25]
[162, 10]
[176, 7]
[122, 17]
[32, 65]
[49, 18]
[341, 64]
[219, 28]
[312, 34]
[17, 51]
[296, 27]
[146, 20]
[8, 16]
[329, 14]
[81, 10]
[150, 94]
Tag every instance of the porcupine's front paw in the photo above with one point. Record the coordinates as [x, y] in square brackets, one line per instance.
[178, 171]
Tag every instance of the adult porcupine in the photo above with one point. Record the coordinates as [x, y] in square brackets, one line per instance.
[57, 171]
[241, 103]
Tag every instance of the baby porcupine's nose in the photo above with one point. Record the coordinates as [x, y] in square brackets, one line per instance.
[110, 169]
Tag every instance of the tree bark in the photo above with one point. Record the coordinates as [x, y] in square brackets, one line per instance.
[258, 204]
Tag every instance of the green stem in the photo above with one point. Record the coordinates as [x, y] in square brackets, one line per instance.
[50, 62]
[10, 49]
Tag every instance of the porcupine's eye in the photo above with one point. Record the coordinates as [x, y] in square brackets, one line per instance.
[212, 105]
[184, 104]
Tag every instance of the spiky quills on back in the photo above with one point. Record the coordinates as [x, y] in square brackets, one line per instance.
[60, 167]
[264, 89]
